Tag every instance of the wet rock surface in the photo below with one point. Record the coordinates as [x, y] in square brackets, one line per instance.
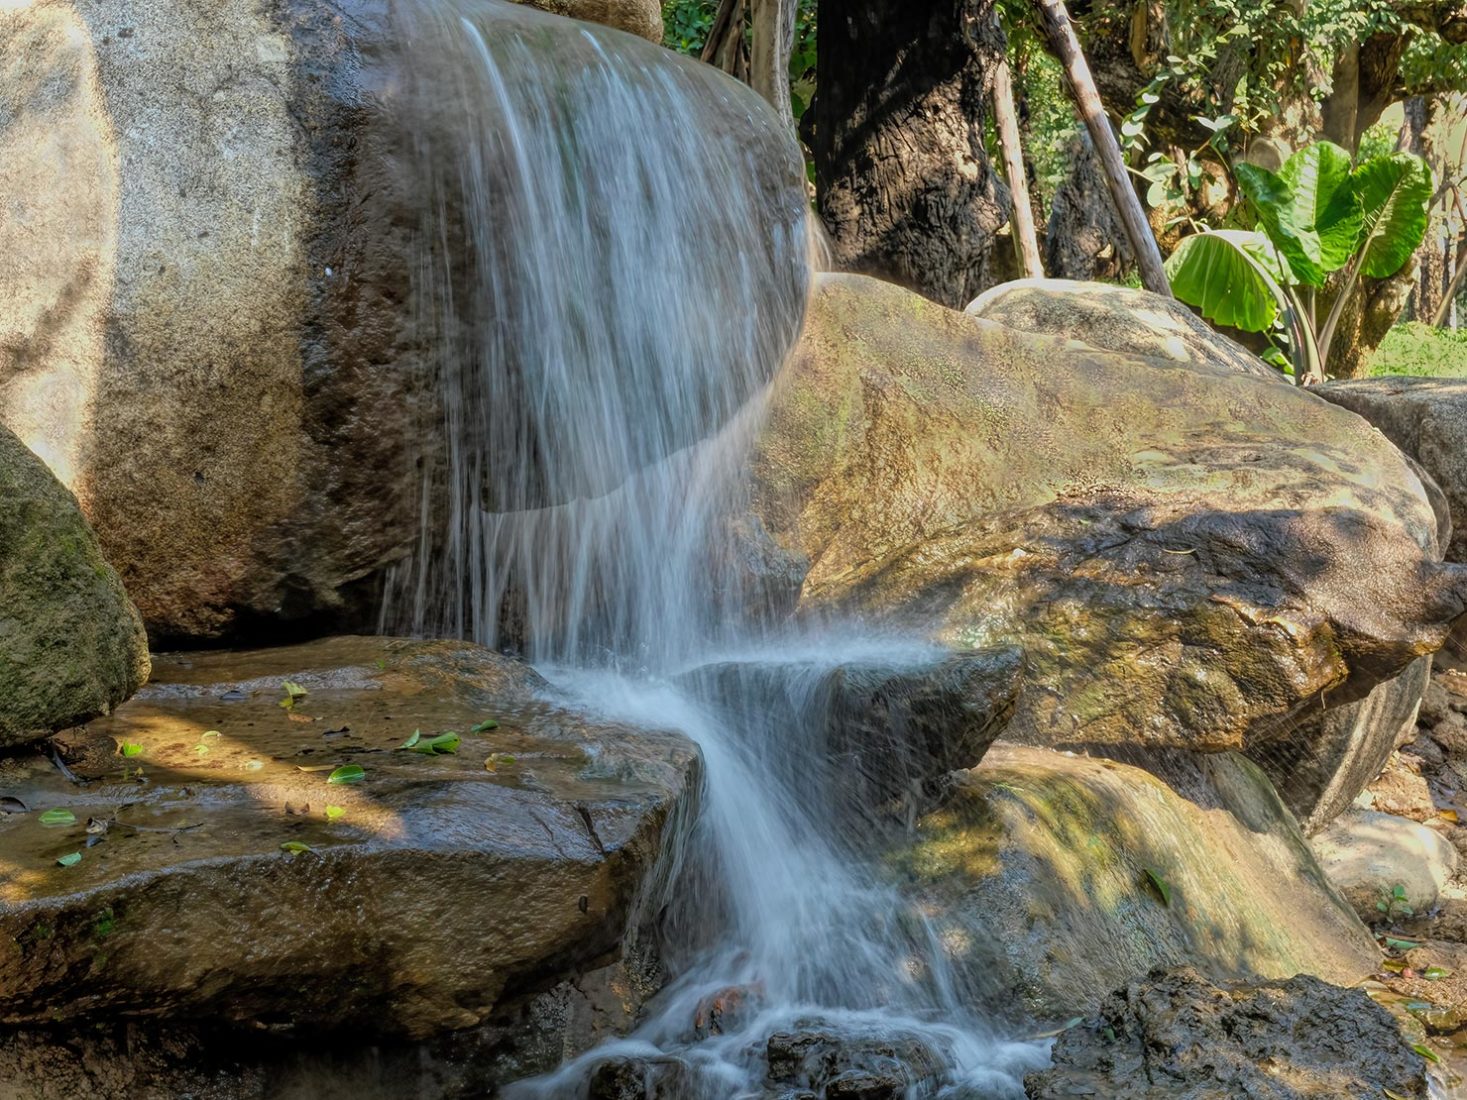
[1177, 569]
[1325, 756]
[883, 733]
[1175, 1036]
[1054, 879]
[641, 17]
[207, 864]
[71, 643]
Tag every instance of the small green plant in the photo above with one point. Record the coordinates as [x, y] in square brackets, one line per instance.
[1392, 903]
[1317, 216]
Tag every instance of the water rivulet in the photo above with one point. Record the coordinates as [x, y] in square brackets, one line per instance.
[637, 273]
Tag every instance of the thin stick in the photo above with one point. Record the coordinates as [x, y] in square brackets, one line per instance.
[1007, 117]
[1066, 47]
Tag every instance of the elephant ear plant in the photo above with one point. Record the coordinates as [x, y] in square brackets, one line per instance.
[1319, 215]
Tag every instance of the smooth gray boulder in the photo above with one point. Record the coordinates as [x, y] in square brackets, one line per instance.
[71, 644]
[1179, 569]
[1055, 878]
[1367, 855]
[1427, 419]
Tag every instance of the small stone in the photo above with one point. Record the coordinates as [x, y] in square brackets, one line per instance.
[1367, 854]
[1434, 703]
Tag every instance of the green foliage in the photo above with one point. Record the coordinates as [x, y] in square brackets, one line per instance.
[1394, 194]
[1418, 349]
[686, 24]
[1392, 903]
[1223, 273]
[1317, 216]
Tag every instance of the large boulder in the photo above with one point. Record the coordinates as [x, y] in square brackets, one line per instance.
[1188, 554]
[253, 274]
[1114, 318]
[1426, 418]
[1174, 1036]
[71, 643]
[1055, 878]
[215, 863]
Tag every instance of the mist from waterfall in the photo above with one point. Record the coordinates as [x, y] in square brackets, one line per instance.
[637, 272]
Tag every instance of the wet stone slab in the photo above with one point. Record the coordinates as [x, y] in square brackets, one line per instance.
[223, 874]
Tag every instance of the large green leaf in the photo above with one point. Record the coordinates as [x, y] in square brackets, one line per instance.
[1324, 201]
[1395, 195]
[1223, 274]
[1278, 210]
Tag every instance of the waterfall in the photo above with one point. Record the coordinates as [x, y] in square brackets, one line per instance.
[615, 267]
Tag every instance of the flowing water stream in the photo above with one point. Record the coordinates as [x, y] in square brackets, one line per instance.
[638, 259]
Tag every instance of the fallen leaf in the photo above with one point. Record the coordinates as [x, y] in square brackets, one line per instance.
[417, 736]
[1435, 973]
[347, 773]
[1449, 815]
[334, 812]
[1426, 1052]
[58, 817]
[1159, 884]
[295, 847]
[445, 742]
[131, 748]
[212, 733]
[484, 726]
[70, 860]
[1400, 945]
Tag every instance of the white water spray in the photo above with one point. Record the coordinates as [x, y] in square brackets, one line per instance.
[637, 271]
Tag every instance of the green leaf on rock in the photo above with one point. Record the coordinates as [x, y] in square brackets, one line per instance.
[1160, 885]
[1426, 1052]
[131, 748]
[295, 847]
[347, 773]
[211, 733]
[484, 726]
[69, 860]
[1400, 945]
[413, 740]
[1435, 973]
[58, 817]
[334, 812]
[293, 691]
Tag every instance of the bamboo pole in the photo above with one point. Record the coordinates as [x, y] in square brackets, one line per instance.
[1007, 117]
[1066, 47]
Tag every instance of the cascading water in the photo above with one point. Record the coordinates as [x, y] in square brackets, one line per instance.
[636, 268]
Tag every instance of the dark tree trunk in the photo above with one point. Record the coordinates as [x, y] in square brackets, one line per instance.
[1085, 237]
[896, 130]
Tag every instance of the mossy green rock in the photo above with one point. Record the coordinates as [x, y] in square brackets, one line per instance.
[71, 643]
[1054, 878]
[1188, 553]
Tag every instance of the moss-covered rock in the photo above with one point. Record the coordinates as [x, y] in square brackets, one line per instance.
[71, 643]
[1188, 553]
[1053, 878]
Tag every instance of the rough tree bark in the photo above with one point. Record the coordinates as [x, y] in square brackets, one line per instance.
[896, 130]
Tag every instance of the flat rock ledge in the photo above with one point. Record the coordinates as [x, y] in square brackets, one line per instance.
[206, 861]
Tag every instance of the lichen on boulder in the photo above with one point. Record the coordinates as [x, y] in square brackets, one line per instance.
[71, 643]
